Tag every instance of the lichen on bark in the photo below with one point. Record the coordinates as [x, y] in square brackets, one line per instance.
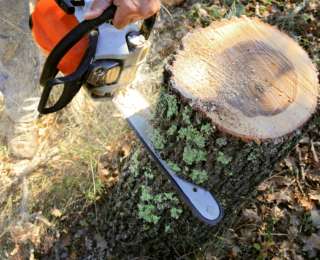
[144, 209]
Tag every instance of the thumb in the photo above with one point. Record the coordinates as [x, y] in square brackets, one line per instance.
[97, 8]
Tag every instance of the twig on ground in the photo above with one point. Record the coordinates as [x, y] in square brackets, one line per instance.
[301, 163]
[24, 201]
[37, 162]
[167, 11]
[299, 184]
[94, 191]
[314, 153]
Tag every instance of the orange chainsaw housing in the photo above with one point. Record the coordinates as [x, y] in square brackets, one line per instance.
[49, 24]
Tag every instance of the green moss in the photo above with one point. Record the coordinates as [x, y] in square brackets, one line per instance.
[146, 210]
[171, 105]
[168, 229]
[174, 167]
[147, 213]
[207, 129]
[135, 163]
[221, 141]
[158, 140]
[167, 106]
[172, 130]
[223, 158]
[152, 207]
[166, 197]
[175, 213]
[193, 15]
[215, 12]
[252, 157]
[204, 13]
[192, 136]
[191, 156]
[186, 115]
[199, 176]
[94, 192]
[236, 9]
[148, 174]
[145, 194]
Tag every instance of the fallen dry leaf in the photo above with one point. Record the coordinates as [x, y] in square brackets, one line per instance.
[56, 213]
[279, 197]
[263, 186]
[306, 203]
[25, 233]
[315, 195]
[277, 212]
[251, 215]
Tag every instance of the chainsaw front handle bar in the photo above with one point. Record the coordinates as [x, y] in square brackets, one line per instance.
[73, 81]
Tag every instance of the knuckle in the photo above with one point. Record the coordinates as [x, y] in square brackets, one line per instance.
[146, 12]
[156, 7]
[118, 26]
[150, 10]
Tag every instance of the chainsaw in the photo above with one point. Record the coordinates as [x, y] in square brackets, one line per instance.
[95, 55]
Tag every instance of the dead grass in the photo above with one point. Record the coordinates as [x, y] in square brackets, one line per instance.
[62, 177]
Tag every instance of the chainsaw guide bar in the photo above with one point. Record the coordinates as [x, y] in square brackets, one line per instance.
[135, 109]
[110, 61]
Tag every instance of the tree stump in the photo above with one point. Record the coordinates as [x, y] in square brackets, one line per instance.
[239, 95]
[250, 79]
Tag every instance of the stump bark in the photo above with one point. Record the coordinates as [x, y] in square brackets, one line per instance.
[238, 97]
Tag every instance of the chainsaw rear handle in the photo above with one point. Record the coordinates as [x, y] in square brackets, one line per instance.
[50, 69]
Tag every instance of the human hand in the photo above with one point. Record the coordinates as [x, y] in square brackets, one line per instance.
[128, 11]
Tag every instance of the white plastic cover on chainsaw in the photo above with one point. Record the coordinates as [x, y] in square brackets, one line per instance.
[112, 43]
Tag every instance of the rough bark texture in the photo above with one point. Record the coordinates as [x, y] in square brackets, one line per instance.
[142, 214]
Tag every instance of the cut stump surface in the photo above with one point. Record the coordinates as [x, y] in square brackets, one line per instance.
[250, 79]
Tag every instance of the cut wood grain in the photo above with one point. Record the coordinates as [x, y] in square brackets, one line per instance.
[250, 79]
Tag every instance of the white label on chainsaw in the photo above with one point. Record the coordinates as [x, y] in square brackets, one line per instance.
[131, 102]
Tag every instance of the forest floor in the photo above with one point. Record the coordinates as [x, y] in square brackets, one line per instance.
[40, 214]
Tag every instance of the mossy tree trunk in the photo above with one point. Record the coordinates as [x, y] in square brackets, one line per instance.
[204, 138]
[143, 214]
